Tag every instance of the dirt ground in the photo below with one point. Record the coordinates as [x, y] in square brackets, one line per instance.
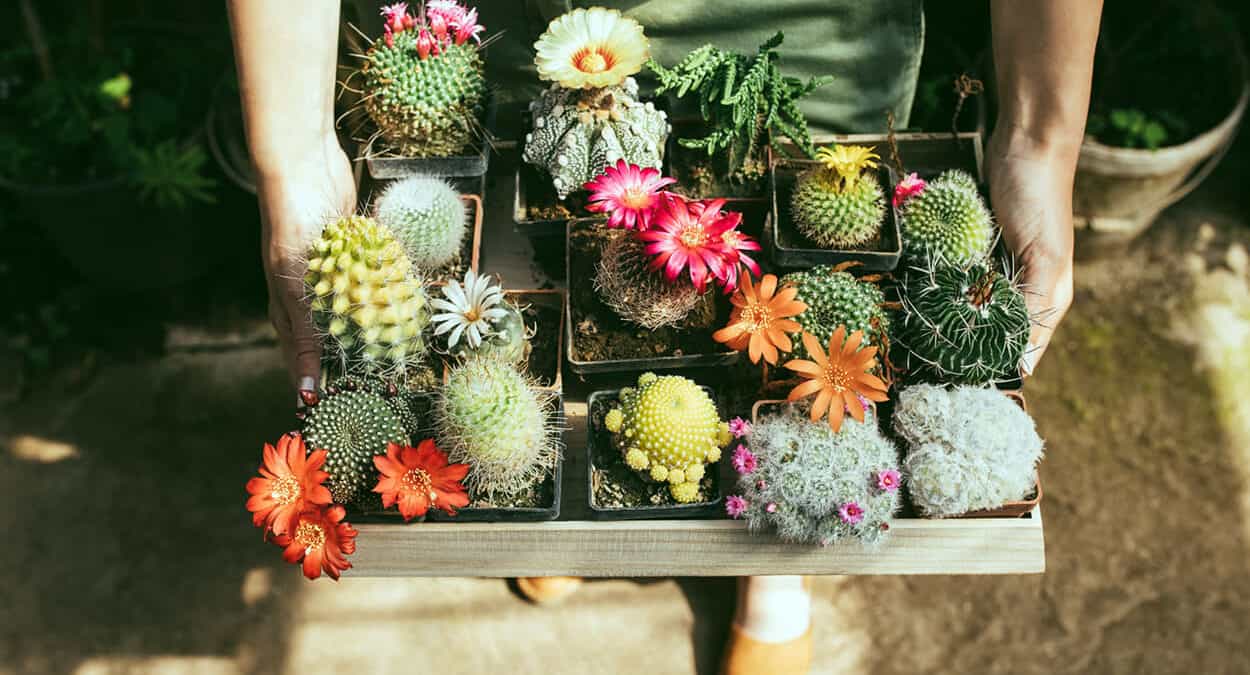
[129, 551]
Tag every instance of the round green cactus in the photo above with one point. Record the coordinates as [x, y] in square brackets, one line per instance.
[509, 338]
[813, 485]
[948, 220]
[489, 416]
[367, 300]
[668, 428]
[962, 325]
[352, 426]
[836, 298]
[626, 284]
[428, 217]
[837, 218]
[424, 107]
[577, 133]
[968, 448]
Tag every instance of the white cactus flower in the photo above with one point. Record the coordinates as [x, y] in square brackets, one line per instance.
[469, 311]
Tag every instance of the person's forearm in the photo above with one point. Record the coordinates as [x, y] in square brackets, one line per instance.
[1044, 60]
[286, 53]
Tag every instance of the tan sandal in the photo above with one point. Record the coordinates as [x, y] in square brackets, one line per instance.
[745, 655]
[547, 590]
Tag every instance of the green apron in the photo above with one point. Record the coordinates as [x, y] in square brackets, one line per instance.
[872, 48]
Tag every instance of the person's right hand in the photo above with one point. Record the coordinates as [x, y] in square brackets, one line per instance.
[296, 201]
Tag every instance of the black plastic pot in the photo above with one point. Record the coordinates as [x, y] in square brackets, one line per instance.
[790, 249]
[599, 440]
[583, 367]
[471, 165]
[528, 178]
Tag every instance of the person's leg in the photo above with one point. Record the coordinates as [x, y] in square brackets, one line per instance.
[547, 590]
[771, 632]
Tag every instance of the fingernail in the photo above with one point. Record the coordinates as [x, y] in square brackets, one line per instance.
[307, 387]
[308, 397]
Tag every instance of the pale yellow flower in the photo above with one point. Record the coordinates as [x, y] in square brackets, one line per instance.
[591, 48]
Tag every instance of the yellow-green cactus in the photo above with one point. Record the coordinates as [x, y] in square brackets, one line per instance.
[668, 428]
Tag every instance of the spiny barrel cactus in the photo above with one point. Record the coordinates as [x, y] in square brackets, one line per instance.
[840, 203]
[352, 426]
[489, 416]
[509, 339]
[815, 486]
[367, 300]
[577, 133]
[406, 403]
[427, 215]
[668, 428]
[836, 298]
[640, 295]
[968, 448]
[424, 82]
[948, 220]
[962, 325]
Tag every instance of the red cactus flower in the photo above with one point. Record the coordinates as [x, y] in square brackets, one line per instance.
[735, 243]
[321, 541]
[628, 193]
[290, 481]
[438, 26]
[907, 188]
[419, 478]
[425, 44]
[686, 238]
[469, 28]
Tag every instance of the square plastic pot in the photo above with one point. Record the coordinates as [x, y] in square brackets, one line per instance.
[470, 165]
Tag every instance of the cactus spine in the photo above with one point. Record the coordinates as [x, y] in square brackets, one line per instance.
[836, 298]
[427, 215]
[640, 295]
[948, 220]
[840, 204]
[352, 426]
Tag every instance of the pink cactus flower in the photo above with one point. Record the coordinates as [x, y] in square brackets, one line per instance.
[888, 480]
[907, 188]
[468, 27]
[761, 485]
[425, 44]
[743, 460]
[771, 507]
[628, 193]
[438, 26]
[736, 242]
[739, 427]
[452, 12]
[735, 506]
[851, 513]
[686, 239]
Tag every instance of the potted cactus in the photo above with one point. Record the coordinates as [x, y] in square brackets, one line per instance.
[424, 95]
[440, 229]
[745, 105]
[590, 117]
[652, 450]
[833, 210]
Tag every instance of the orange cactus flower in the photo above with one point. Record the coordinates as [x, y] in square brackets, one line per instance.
[420, 478]
[321, 541]
[761, 319]
[289, 483]
[839, 377]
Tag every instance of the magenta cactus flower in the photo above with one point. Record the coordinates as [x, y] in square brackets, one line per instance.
[888, 480]
[739, 427]
[735, 506]
[907, 188]
[851, 513]
[771, 508]
[685, 239]
[743, 460]
[628, 193]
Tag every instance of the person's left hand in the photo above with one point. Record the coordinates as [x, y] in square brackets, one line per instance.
[1031, 190]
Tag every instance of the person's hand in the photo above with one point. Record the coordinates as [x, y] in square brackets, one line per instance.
[1031, 190]
[296, 201]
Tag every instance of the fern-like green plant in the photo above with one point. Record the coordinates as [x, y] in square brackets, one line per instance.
[745, 100]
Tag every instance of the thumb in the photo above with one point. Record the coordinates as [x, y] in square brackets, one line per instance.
[1048, 295]
[306, 348]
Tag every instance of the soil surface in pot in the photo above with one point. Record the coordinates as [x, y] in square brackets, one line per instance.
[600, 335]
[702, 177]
[538, 495]
[458, 265]
[541, 201]
[544, 358]
[615, 485]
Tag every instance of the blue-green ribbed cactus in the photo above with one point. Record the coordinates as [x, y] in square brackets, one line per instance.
[968, 448]
[577, 133]
[948, 220]
[427, 215]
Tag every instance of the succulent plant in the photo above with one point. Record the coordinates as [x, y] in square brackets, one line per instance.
[625, 282]
[962, 325]
[409, 405]
[489, 416]
[835, 298]
[840, 203]
[578, 133]
[968, 448]
[668, 428]
[352, 426]
[424, 81]
[367, 300]
[427, 215]
[948, 220]
[813, 485]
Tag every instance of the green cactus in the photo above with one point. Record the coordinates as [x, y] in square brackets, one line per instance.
[968, 448]
[948, 220]
[489, 416]
[668, 428]
[352, 426]
[509, 337]
[834, 218]
[815, 486]
[424, 107]
[961, 325]
[367, 300]
[427, 215]
[577, 133]
[640, 295]
[836, 298]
